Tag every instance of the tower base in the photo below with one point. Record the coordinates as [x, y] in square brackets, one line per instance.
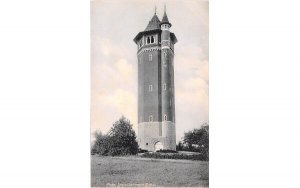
[154, 136]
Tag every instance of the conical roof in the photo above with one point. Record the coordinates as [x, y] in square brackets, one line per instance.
[153, 24]
[165, 18]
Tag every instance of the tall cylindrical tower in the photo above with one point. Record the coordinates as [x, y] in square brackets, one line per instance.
[156, 101]
[167, 82]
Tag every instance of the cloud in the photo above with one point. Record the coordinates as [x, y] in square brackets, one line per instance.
[113, 94]
[110, 76]
[108, 108]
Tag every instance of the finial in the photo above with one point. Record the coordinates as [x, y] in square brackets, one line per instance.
[155, 10]
[165, 7]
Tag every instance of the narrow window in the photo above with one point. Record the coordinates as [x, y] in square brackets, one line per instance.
[150, 87]
[146, 144]
[165, 117]
[148, 40]
[152, 39]
[150, 57]
[165, 86]
[150, 118]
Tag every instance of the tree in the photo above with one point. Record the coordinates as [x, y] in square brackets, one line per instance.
[120, 140]
[100, 145]
[198, 140]
[179, 146]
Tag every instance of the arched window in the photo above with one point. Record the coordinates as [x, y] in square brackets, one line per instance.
[158, 146]
[148, 40]
[150, 88]
[165, 117]
[150, 118]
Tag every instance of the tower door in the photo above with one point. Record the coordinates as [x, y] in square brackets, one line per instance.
[158, 146]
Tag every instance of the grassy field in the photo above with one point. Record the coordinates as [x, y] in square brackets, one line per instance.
[138, 172]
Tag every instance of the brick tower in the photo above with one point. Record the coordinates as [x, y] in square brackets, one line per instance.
[156, 100]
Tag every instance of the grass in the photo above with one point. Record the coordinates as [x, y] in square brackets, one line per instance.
[139, 172]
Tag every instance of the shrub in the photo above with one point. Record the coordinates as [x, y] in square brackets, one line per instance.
[198, 157]
[142, 150]
[166, 151]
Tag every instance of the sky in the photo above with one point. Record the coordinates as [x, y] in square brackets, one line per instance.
[114, 24]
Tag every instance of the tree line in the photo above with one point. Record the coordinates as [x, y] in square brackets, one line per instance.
[121, 140]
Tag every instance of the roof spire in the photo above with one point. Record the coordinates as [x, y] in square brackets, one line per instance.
[165, 19]
[154, 22]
